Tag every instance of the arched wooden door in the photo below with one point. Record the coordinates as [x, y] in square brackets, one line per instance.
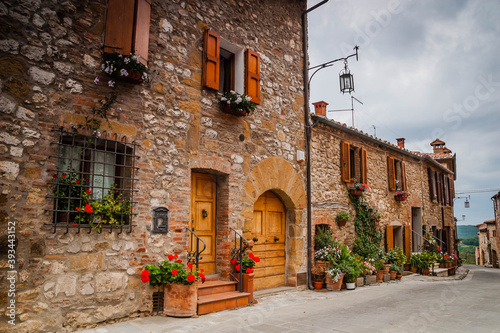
[267, 229]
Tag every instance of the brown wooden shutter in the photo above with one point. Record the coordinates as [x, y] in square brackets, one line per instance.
[364, 166]
[119, 26]
[211, 59]
[141, 33]
[345, 167]
[446, 191]
[252, 75]
[391, 173]
[408, 242]
[439, 188]
[389, 237]
[404, 184]
[431, 184]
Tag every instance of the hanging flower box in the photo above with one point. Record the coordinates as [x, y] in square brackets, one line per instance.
[356, 192]
[401, 195]
[124, 67]
[357, 189]
[236, 104]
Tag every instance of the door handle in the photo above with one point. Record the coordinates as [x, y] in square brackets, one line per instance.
[255, 239]
[276, 239]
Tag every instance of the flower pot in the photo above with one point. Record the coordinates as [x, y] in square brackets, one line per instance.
[399, 276]
[399, 198]
[393, 274]
[380, 276]
[180, 300]
[322, 264]
[413, 269]
[248, 285]
[333, 286]
[134, 77]
[426, 271]
[228, 108]
[356, 192]
[387, 267]
[341, 223]
[350, 285]
[407, 267]
[370, 279]
[318, 285]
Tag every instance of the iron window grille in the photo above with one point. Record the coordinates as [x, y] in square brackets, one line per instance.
[93, 169]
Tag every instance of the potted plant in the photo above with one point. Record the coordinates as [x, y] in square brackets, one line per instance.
[401, 195]
[181, 288]
[350, 275]
[67, 191]
[399, 274]
[342, 217]
[380, 267]
[318, 275]
[357, 189]
[334, 278]
[236, 104]
[393, 271]
[247, 267]
[324, 238]
[124, 67]
[414, 262]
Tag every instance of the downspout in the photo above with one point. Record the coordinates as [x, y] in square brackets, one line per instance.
[308, 130]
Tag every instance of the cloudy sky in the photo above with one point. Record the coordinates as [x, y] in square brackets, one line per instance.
[426, 70]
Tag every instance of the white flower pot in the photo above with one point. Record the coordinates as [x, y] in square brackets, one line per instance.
[350, 285]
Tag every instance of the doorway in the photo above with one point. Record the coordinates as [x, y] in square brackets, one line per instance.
[416, 228]
[267, 230]
[203, 208]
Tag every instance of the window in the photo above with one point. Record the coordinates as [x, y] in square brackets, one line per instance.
[127, 28]
[228, 67]
[396, 170]
[441, 188]
[93, 182]
[353, 163]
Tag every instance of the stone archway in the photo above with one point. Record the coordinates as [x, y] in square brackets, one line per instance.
[277, 175]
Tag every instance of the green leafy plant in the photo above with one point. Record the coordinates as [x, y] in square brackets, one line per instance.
[68, 190]
[415, 261]
[368, 237]
[379, 265]
[237, 101]
[395, 268]
[395, 256]
[343, 216]
[324, 238]
[171, 271]
[318, 274]
[248, 263]
[121, 66]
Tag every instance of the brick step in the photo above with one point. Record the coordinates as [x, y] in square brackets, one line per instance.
[221, 301]
[215, 287]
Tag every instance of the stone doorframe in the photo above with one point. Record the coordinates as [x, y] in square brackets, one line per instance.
[277, 175]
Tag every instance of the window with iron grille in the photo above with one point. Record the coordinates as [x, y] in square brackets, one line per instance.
[93, 183]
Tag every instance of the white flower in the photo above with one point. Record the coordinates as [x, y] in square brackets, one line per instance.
[126, 60]
[248, 98]
[111, 83]
[144, 76]
[123, 72]
[96, 80]
[228, 102]
[120, 56]
[232, 92]
[238, 100]
[223, 99]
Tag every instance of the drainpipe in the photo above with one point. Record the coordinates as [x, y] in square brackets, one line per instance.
[308, 130]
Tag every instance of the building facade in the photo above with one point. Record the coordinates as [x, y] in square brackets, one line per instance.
[163, 144]
[343, 155]
[487, 249]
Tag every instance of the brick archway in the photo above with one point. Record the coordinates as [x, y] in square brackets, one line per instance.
[277, 175]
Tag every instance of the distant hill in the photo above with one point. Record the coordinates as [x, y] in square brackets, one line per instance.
[466, 231]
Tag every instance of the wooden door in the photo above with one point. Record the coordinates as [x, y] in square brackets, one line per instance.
[203, 203]
[268, 228]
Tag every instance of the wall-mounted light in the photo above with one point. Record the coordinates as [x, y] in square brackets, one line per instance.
[346, 80]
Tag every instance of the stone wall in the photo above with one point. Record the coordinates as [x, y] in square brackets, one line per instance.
[329, 192]
[50, 56]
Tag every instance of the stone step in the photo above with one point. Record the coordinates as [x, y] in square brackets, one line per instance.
[441, 272]
[221, 301]
[215, 287]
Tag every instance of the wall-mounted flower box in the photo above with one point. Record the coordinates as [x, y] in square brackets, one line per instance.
[401, 195]
[356, 192]
[236, 104]
[399, 198]
[231, 109]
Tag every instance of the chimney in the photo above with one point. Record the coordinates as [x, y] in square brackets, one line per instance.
[401, 142]
[320, 108]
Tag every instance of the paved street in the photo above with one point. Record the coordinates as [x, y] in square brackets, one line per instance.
[416, 304]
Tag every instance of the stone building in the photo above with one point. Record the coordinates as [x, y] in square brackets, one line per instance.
[342, 155]
[165, 146]
[495, 240]
[487, 253]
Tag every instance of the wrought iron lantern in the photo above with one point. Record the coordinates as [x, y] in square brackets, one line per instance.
[346, 80]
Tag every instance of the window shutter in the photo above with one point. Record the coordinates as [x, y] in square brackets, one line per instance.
[389, 237]
[141, 33]
[446, 191]
[211, 59]
[345, 167]
[119, 26]
[431, 184]
[391, 173]
[404, 184]
[407, 242]
[252, 75]
[364, 167]
[439, 188]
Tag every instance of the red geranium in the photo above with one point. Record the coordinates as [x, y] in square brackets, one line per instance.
[190, 266]
[176, 255]
[202, 277]
[170, 257]
[251, 256]
[249, 270]
[145, 276]
[191, 278]
[63, 175]
[179, 261]
[88, 192]
[233, 261]
[77, 181]
[237, 267]
[88, 209]
[256, 259]
[78, 208]
[175, 272]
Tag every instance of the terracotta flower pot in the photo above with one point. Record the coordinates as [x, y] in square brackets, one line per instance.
[248, 285]
[318, 285]
[356, 192]
[180, 300]
[134, 77]
[228, 108]
[399, 198]
[333, 286]
[426, 271]
[399, 276]
[380, 276]
[342, 223]
[413, 269]
[393, 274]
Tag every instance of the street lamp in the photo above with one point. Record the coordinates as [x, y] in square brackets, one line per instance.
[466, 203]
[346, 79]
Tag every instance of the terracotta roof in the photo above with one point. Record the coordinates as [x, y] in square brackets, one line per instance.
[437, 142]
[387, 144]
[438, 156]
[490, 221]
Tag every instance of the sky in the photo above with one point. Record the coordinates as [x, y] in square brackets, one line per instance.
[427, 69]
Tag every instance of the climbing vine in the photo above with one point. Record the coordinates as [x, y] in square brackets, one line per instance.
[368, 238]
